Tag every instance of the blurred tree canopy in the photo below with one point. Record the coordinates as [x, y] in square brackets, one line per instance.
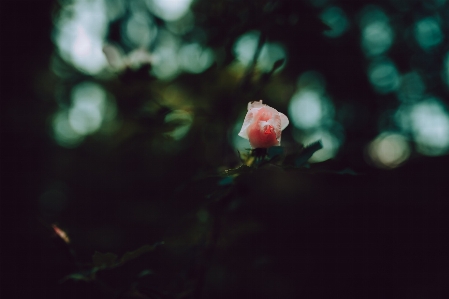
[123, 176]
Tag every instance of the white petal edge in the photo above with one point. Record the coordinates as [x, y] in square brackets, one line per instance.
[243, 131]
[284, 121]
[255, 104]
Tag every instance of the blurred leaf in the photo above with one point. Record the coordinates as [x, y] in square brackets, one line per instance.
[104, 259]
[348, 171]
[138, 252]
[145, 273]
[300, 159]
[219, 193]
[108, 260]
[88, 275]
[324, 26]
[225, 181]
[239, 170]
[277, 64]
[275, 153]
[307, 152]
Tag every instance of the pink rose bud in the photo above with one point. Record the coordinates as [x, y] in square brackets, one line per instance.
[263, 125]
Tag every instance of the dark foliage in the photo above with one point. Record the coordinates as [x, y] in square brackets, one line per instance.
[264, 223]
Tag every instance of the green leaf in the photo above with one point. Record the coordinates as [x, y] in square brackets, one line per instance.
[108, 260]
[307, 152]
[104, 260]
[225, 181]
[277, 64]
[325, 26]
[299, 159]
[275, 153]
[87, 275]
[138, 252]
[239, 170]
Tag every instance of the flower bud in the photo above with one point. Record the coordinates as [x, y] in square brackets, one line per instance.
[263, 125]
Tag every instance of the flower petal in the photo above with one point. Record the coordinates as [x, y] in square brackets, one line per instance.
[284, 120]
[263, 125]
[260, 136]
[275, 121]
[255, 104]
[248, 119]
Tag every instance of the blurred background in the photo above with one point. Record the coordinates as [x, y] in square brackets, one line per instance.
[118, 116]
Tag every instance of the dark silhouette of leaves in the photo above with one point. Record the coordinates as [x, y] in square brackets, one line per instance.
[239, 170]
[104, 259]
[300, 159]
[138, 252]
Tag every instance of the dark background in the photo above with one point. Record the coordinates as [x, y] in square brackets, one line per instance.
[311, 233]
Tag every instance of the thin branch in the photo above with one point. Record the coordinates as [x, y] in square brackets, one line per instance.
[210, 251]
[251, 67]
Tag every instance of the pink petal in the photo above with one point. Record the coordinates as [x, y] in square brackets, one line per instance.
[259, 139]
[263, 125]
[275, 121]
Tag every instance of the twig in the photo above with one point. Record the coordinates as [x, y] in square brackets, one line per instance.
[210, 251]
[250, 69]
